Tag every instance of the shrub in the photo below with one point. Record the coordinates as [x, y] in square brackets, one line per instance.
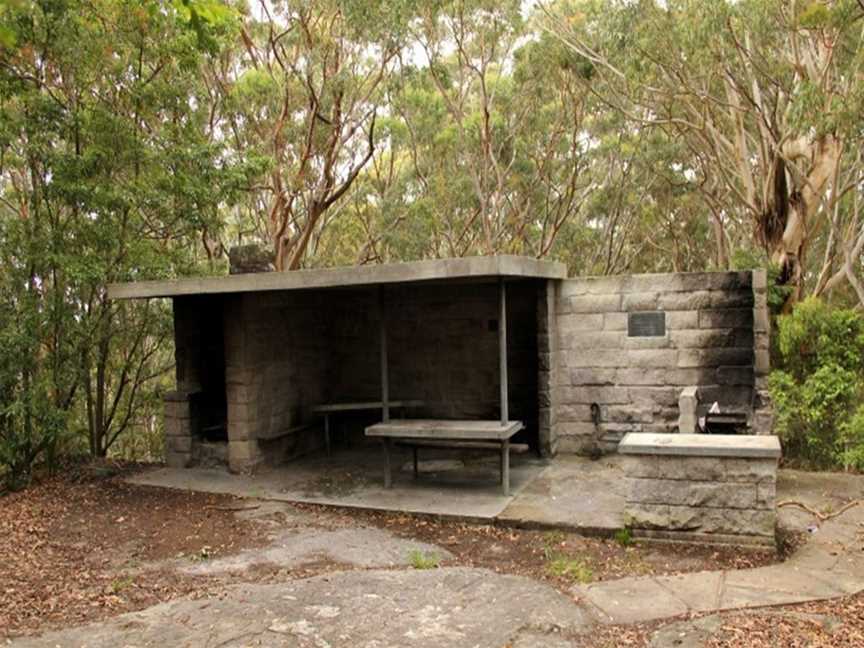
[819, 385]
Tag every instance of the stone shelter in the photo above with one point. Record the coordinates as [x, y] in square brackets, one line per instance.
[262, 359]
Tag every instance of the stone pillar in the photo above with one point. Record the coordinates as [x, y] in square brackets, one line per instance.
[178, 429]
[240, 387]
[547, 409]
[762, 418]
[688, 402]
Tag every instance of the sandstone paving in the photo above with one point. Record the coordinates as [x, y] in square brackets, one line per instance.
[430, 608]
[474, 607]
[358, 546]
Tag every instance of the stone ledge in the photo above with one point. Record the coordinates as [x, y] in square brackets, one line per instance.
[702, 445]
[691, 537]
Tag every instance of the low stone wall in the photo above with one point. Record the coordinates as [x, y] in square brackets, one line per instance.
[702, 487]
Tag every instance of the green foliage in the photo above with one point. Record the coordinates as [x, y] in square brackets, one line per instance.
[574, 569]
[820, 384]
[624, 537]
[423, 560]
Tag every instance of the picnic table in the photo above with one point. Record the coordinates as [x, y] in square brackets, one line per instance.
[433, 433]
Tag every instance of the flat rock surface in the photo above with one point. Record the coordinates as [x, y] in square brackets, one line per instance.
[441, 607]
[359, 546]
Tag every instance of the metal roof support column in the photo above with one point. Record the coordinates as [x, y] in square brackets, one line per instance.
[385, 382]
[502, 348]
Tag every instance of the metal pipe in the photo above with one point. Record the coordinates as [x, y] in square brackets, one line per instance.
[502, 348]
[385, 382]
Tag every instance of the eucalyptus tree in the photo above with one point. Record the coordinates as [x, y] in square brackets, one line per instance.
[303, 96]
[766, 96]
[486, 152]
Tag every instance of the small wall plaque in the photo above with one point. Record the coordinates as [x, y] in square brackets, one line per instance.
[647, 324]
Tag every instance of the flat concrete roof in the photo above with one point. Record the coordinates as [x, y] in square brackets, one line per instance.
[701, 445]
[389, 273]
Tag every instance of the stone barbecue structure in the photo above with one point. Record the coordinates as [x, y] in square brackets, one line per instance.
[585, 361]
[702, 487]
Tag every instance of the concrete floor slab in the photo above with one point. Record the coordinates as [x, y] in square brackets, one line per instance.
[573, 492]
[467, 487]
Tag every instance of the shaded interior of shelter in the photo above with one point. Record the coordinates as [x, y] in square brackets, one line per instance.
[257, 364]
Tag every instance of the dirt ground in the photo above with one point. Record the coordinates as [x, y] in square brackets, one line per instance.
[85, 546]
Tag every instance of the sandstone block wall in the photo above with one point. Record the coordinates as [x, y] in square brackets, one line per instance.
[275, 368]
[682, 494]
[635, 382]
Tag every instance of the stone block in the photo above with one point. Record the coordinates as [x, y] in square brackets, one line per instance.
[685, 301]
[626, 377]
[690, 468]
[595, 303]
[735, 375]
[574, 413]
[243, 455]
[653, 396]
[676, 320]
[689, 376]
[748, 522]
[615, 321]
[688, 402]
[596, 394]
[636, 343]
[593, 376]
[635, 467]
[177, 409]
[626, 414]
[640, 301]
[766, 494]
[178, 444]
[175, 427]
[702, 338]
[579, 322]
[762, 361]
[592, 340]
[575, 444]
[589, 358]
[569, 429]
[760, 280]
[726, 318]
[715, 357]
[750, 470]
[676, 492]
[649, 358]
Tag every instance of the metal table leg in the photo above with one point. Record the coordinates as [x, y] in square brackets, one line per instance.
[327, 433]
[505, 467]
[388, 476]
